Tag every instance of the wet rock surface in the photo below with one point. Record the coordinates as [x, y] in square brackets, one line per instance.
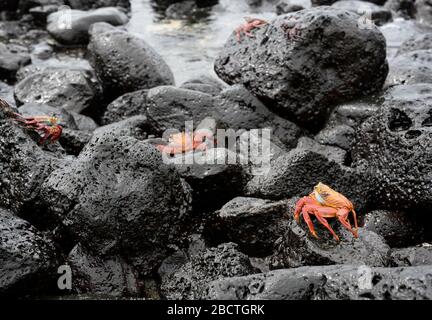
[297, 247]
[125, 63]
[117, 198]
[133, 222]
[112, 277]
[68, 89]
[128, 105]
[28, 261]
[327, 283]
[214, 263]
[285, 71]
[254, 224]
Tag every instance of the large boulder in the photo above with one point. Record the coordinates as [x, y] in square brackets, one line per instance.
[286, 72]
[118, 199]
[73, 90]
[28, 260]
[80, 22]
[328, 283]
[395, 145]
[125, 63]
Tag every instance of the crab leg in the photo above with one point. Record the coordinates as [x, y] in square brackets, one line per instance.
[342, 215]
[324, 222]
[306, 217]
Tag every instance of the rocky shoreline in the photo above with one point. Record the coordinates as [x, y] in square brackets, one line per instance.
[346, 104]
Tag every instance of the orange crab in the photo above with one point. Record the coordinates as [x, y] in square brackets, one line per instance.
[324, 202]
[46, 125]
[186, 141]
[251, 23]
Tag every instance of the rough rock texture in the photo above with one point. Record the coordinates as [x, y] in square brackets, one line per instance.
[413, 256]
[328, 283]
[417, 42]
[125, 63]
[139, 127]
[171, 107]
[296, 172]
[410, 68]
[214, 263]
[28, 261]
[129, 104]
[112, 277]
[118, 198]
[289, 75]
[214, 175]
[12, 57]
[397, 228]
[297, 247]
[72, 90]
[23, 167]
[254, 224]
[80, 22]
[237, 109]
[395, 145]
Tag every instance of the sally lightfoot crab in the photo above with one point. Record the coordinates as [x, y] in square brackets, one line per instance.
[184, 142]
[251, 23]
[47, 126]
[325, 203]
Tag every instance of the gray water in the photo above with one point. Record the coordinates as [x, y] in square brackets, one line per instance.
[190, 48]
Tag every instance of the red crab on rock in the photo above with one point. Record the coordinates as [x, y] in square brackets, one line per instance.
[47, 126]
[325, 203]
[251, 23]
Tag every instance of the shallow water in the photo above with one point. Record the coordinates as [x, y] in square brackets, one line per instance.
[190, 48]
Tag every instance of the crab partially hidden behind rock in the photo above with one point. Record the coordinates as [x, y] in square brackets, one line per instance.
[324, 203]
